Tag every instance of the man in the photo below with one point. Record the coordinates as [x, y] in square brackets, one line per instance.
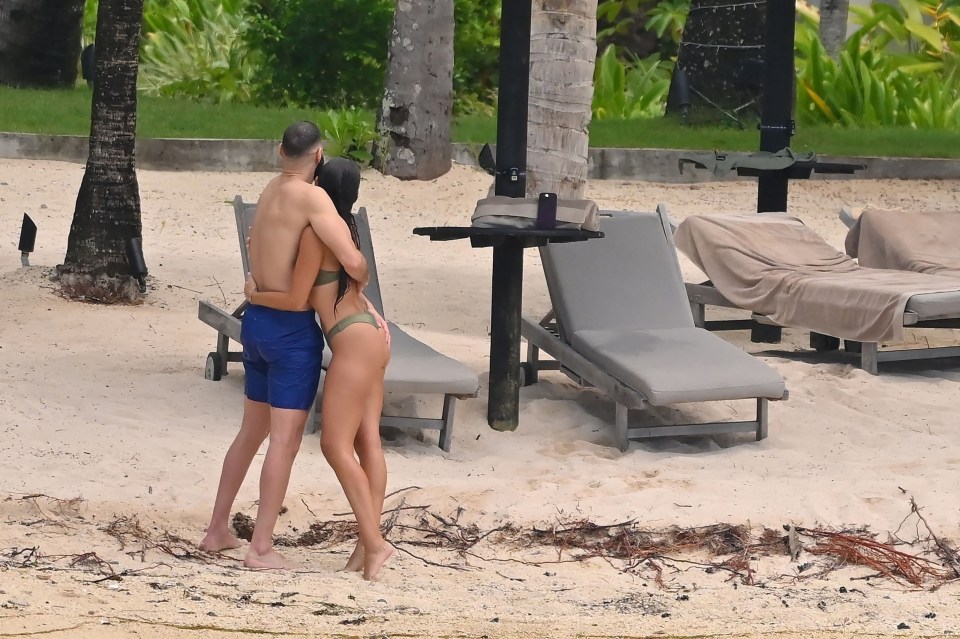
[282, 350]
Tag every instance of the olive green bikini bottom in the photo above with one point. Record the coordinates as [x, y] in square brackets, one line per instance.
[363, 317]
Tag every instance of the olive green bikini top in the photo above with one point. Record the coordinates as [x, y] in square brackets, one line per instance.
[326, 277]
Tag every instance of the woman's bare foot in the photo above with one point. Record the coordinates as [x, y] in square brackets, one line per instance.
[270, 560]
[217, 540]
[374, 560]
[355, 563]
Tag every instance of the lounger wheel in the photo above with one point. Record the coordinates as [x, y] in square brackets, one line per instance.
[214, 368]
[527, 376]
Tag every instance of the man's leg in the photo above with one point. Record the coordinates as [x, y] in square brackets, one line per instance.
[293, 348]
[286, 433]
[253, 430]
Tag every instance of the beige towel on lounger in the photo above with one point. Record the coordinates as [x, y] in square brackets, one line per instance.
[922, 241]
[772, 264]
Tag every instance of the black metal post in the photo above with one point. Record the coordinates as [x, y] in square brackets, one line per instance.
[512, 100]
[777, 102]
[776, 119]
[503, 402]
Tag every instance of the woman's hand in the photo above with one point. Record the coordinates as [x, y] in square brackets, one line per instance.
[382, 323]
[249, 288]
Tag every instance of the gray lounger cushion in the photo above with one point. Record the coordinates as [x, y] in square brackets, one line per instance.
[673, 366]
[621, 302]
[630, 278]
[935, 305]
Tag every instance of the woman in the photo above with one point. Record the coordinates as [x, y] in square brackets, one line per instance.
[353, 388]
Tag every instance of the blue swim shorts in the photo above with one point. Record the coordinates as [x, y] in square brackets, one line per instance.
[282, 354]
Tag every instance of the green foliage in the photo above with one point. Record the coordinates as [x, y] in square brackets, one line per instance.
[636, 89]
[619, 16]
[897, 69]
[348, 133]
[334, 52]
[195, 49]
[325, 53]
[667, 18]
[476, 48]
[89, 21]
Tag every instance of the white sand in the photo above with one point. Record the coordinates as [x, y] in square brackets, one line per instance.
[110, 404]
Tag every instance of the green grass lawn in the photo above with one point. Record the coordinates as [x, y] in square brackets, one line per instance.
[67, 112]
[666, 133]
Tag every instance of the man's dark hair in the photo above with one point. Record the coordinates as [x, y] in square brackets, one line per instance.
[300, 138]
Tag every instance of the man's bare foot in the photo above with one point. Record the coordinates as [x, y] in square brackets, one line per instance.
[355, 563]
[374, 560]
[215, 541]
[270, 560]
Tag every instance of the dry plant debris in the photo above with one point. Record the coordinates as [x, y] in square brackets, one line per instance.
[925, 561]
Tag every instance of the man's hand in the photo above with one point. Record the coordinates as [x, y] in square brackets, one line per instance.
[249, 287]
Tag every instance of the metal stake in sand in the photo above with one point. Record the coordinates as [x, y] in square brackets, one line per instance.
[28, 239]
[138, 267]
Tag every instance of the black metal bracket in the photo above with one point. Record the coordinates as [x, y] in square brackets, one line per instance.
[513, 173]
[789, 129]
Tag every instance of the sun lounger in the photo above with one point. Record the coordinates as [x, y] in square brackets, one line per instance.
[922, 241]
[226, 324]
[621, 323]
[414, 369]
[786, 275]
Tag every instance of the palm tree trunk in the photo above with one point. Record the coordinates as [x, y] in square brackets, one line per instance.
[414, 119]
[563, 51]
[833, 25]
[40, 42]
[107, 212]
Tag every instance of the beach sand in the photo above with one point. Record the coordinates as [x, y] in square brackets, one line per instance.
[109, 405]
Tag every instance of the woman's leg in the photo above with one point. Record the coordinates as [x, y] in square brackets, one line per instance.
[368, 447]
[354, 369]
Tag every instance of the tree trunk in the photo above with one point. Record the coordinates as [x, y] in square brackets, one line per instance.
[414, 119]
[40, 42]
[833, 25]
[722, 52]
[107, 213]
[563, 53]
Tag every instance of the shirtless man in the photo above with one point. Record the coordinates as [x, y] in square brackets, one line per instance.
[282, 350]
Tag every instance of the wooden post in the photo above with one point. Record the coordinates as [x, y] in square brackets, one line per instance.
[503, 403]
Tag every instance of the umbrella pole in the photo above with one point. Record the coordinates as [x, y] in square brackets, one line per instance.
[503, 403]
[779, 82]
[513, 99]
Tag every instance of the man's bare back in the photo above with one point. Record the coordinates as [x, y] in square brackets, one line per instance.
[287, 206]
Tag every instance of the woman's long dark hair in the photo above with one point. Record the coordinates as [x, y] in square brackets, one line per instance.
[340, 178]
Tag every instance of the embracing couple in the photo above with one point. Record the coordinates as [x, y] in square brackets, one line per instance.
[305, 258]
